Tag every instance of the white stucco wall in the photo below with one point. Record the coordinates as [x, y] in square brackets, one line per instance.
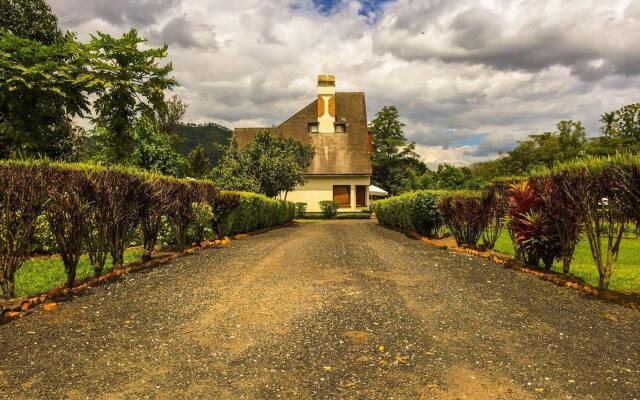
[318, 188]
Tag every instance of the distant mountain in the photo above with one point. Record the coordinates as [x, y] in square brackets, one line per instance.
[208, 135]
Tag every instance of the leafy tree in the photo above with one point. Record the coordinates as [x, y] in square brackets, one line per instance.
[269, 164]
[30, 19]
[130, 81]
[41, 88]
[198, 162]
[169, 115]
[153, 150]
[231, 172]
[394, 159]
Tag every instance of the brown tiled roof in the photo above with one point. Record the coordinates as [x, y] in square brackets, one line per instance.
[336, 153]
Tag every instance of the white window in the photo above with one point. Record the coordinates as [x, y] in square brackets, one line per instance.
[313, 127]
[341, 128]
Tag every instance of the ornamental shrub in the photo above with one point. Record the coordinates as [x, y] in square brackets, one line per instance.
[465, 215]
[256, 211]
[301, 209]
[22, 200]
[424, 215]
[531, 225]
[329, 208]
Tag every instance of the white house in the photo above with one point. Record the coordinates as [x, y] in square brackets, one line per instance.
[335, 124]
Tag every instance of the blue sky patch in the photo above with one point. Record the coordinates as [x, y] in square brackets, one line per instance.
[472, 140]
[367, 7]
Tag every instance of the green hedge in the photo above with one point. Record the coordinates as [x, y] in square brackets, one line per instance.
[257, 211]
[397, 211]
[88, 209]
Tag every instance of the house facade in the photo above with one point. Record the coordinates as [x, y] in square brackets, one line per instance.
[335, 124]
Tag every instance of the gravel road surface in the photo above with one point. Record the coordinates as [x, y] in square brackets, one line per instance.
[331, 310]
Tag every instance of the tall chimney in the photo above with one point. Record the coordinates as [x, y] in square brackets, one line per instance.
[326, 103]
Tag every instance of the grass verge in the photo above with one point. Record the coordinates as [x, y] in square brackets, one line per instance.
[626, 275]
[40, 274]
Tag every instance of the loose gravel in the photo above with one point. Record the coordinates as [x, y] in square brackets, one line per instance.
[343, 309]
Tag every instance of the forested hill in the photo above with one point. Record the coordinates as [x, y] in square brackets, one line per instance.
[208, 135]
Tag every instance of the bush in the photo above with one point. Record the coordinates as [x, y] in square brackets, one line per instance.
[424, 215]
[329, 208]
[465, 215]
[301, 209]
[256, 211]
[411, 212]
[22, 200]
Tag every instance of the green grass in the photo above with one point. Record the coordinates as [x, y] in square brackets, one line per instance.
[40, 274]
[626, 273]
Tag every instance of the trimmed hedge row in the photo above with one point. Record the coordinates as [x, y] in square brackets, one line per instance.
[408, 212]
[546, 213]
[101, 211]
[256, 211]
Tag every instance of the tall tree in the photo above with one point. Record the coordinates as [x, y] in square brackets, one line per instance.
[30, 19]
[130, 81]
[393, 157]
[153, 151]
[41, 88]
[231, 172]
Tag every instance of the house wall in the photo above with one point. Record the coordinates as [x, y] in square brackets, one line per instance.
[318, 188]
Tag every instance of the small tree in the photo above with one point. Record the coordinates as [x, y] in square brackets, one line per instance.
[424, 214]
[198, 162]
[156, 200]
[22, 200]
[329, 208]
[115, 214]
[67, 212]
[464, 215]
[269, 164]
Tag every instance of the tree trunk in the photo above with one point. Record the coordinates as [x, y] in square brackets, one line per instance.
[603, 283]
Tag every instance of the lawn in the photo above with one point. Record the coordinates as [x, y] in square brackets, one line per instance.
[626, 274]
[40, 274]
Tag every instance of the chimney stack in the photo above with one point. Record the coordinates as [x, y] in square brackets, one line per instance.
[326, 103]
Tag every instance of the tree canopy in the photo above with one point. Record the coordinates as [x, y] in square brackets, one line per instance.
[394, 160]
[269, 164]
[129, 81]
[30, 19]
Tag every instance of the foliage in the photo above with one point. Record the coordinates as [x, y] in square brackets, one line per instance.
[535, 233]
[269, 164]
[41, 88]
[153, 150]
[22, 200]
[301, 209]
[424, 214]
[556, 193]
[67, 210]
[398, 211]
[256, 211]
[224, 205]
[198, 162]
[329, 208]
[30, 19]
[604, 191]
[201, 226]
[232, 173]
[466, 216]
[168, 117]
[394, 160]
[129, 81]
[213, 137]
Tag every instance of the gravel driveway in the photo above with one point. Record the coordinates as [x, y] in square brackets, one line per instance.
[343, 309]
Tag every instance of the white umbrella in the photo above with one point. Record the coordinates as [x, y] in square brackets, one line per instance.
[376, 191]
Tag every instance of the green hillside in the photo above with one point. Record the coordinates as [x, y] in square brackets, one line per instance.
[210, 135]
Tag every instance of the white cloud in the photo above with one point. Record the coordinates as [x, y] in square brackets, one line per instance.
[453, 68]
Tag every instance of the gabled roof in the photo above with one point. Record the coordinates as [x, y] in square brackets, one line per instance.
[336, 153]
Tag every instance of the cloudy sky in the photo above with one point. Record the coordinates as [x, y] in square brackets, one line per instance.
[469, 77]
